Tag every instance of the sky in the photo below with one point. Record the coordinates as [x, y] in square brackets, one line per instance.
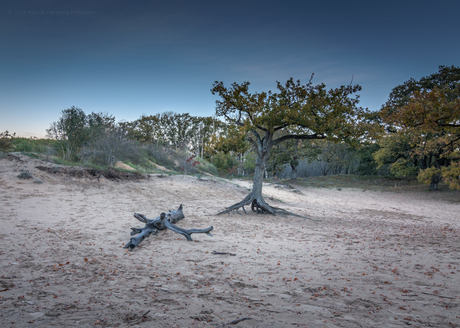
[129, 58]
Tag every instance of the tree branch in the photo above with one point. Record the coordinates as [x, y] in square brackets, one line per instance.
[281, 127]
[258, 141]
[261, 128]
[449, 125]
[184, 232]
[315, 136]
[252, 142]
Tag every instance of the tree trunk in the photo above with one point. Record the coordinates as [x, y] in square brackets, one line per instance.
[255, 198]
[293, 172]
[437, 177]
[263, 153]
[164, 221]
[258, 177]
[202, 147]
[263, 146]
[434, 182]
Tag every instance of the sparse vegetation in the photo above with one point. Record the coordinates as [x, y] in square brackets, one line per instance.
[365, 182]
[25, 175]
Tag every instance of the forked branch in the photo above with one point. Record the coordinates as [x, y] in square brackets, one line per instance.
[164, 221]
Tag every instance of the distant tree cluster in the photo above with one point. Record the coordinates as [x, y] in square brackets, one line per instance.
[74, 129]
[422, 129]
[177, 131]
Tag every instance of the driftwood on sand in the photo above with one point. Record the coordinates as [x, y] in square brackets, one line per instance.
[164, 221]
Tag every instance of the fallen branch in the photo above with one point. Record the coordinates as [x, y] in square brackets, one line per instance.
[452, 298]
[222, 253]
[234, 322]
[164, 221]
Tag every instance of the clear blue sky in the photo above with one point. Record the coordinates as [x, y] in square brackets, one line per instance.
[129, 58]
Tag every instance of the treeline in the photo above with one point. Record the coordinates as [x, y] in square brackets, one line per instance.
[179, 141]
[168, 139]
[416, 133]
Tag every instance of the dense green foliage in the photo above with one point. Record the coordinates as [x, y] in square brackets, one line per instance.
[423, 123]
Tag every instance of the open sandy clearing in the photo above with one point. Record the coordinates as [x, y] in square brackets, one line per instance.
[359, 259]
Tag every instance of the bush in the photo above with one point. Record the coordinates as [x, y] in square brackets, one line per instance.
[249, 164]
[6, 141]
[225, 163]
[159, 155]
[451, 175]
[367, 164]
[403, 168]
[48, 151]
[184, 162]
[23, 145]
[205, 166]
[110, 148]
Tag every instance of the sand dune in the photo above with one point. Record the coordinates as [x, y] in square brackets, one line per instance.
[357, 259]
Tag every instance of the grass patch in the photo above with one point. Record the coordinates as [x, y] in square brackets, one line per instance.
[372, 182]
[207, 167]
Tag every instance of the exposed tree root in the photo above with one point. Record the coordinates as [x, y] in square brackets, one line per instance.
[258, 205]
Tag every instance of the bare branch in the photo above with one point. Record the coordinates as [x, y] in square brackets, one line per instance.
[261, 128]
[164, 221]
[298, 137]
[281, 127]
[258, 140]
[253, 142]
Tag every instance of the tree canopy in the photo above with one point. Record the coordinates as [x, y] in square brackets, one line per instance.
[426, 113]
[446, 78]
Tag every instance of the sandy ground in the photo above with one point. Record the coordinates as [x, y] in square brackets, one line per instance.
[358, 259]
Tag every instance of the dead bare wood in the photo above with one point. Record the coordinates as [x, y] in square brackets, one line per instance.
[236, 321]
[442, 296]
[164, 221]
[222, 253]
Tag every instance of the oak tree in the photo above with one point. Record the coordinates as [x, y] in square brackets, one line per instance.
[426, 113]
[294, 112]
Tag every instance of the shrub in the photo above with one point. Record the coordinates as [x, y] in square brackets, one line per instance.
[225, 163]
[190, 164]
[159, 155]
[22, 145]
[205, 166]
[25, 175]
[451, 175]
[110, 148]
[6, 141]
